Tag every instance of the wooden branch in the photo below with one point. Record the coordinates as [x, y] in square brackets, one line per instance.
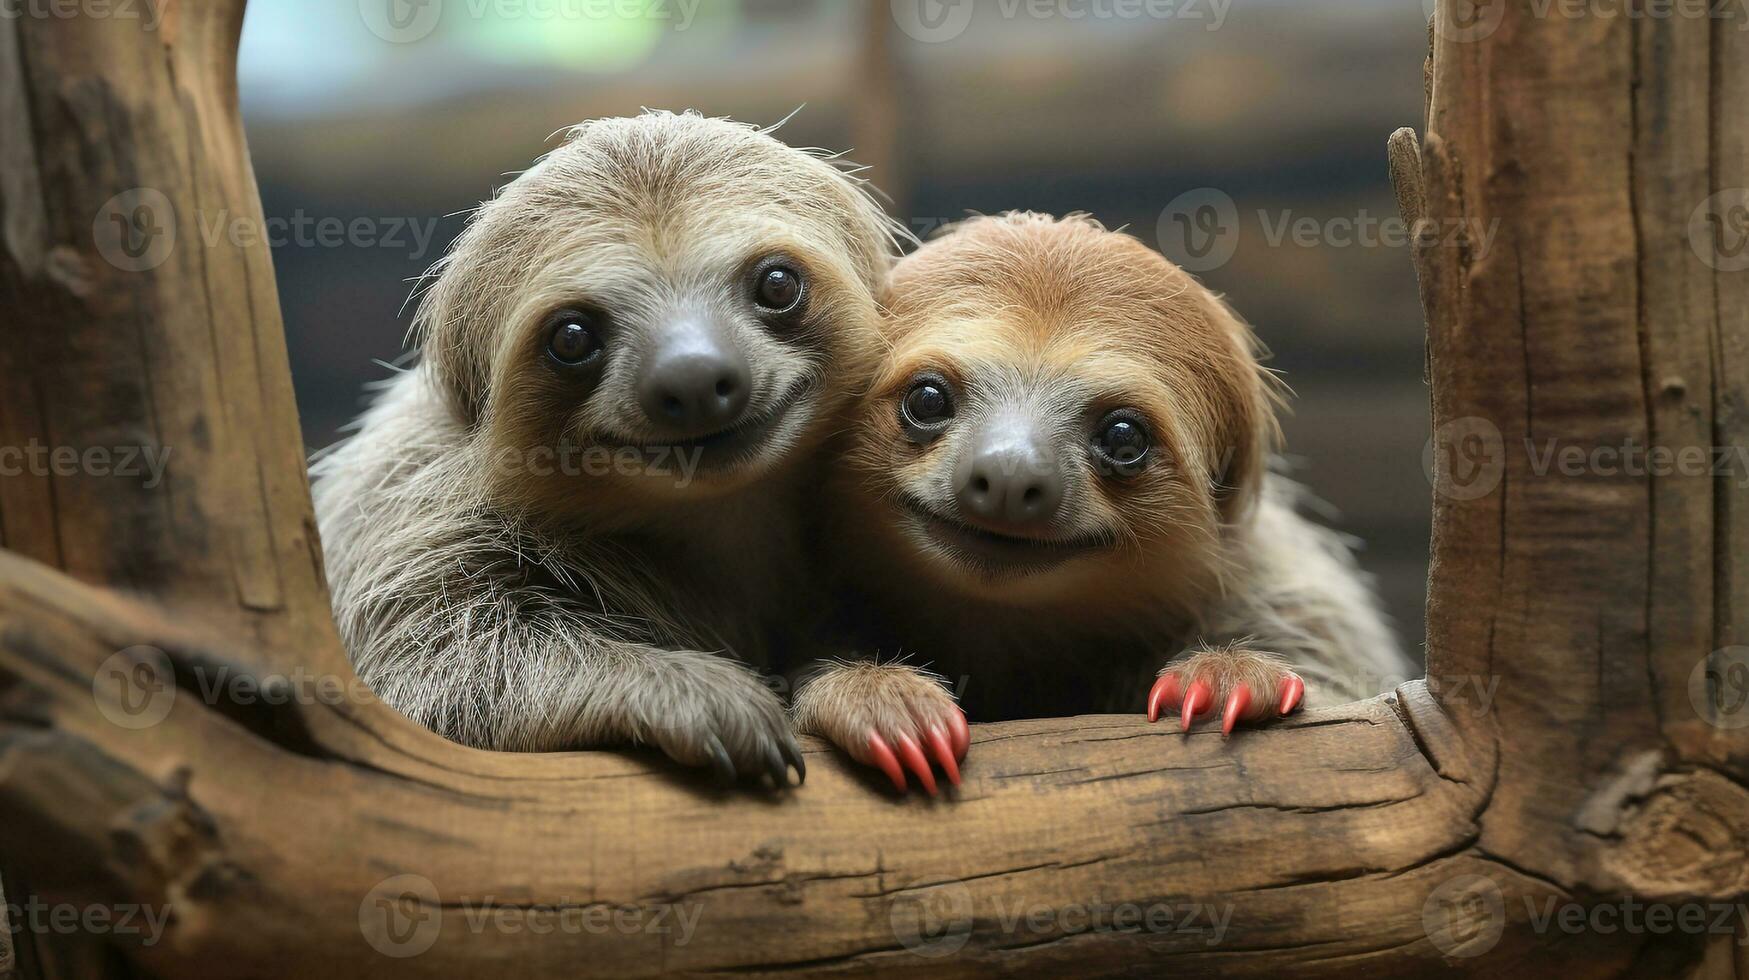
[133, 329]
[180, 734]
[1572, 307]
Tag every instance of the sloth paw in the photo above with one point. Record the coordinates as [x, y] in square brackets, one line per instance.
[711, 711]
[1250, 686]
[890, 716]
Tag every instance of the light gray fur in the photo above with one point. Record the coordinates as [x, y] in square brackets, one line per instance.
[518, 611]
[499, 636]
[1298, 592]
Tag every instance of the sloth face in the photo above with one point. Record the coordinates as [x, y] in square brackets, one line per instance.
[694, 369]
[668, 308]
[1064, 415]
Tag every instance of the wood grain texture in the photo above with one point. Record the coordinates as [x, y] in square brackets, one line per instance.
[287, 825]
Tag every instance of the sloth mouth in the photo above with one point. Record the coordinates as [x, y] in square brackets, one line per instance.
[995, 551]
[739, 442]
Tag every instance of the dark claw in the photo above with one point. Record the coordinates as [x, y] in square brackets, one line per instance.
[793, 753]
[775, 767]
[724, 768]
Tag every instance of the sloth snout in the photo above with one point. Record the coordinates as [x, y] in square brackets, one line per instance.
[1009, 477]
[695, 381]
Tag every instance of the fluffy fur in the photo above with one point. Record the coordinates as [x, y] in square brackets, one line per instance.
[1200, 562]
[495, 578]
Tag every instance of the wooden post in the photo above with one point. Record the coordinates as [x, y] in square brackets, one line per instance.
[182, 742]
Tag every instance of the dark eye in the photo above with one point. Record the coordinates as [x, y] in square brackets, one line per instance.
[778, 288]
[573, 339]
[1122, 443]
[926, 408]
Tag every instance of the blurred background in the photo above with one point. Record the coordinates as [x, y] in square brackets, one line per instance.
[1245, 138]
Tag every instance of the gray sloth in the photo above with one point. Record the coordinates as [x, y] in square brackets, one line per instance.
[542, 536]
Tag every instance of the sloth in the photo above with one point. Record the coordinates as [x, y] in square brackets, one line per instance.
[1058, 486]
[547, 533]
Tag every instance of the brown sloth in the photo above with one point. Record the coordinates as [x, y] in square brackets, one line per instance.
[1058, 487]
[547, 533]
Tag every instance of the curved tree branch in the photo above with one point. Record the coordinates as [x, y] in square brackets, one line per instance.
[180, 734]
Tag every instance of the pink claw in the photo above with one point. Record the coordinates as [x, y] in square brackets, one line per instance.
[882, 753]
[1292, 690]
[1196, 701]
[1237, 703]
[1164, 695]
[962, 733]
[943, 754]
[913, 758]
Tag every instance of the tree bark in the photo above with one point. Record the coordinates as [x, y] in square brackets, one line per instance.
[180, 733]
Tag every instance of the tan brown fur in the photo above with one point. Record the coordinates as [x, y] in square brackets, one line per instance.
[1069, 298]
[853, 698]
[1206, 553]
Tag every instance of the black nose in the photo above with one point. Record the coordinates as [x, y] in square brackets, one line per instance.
[1009, 476]
[695, 380]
